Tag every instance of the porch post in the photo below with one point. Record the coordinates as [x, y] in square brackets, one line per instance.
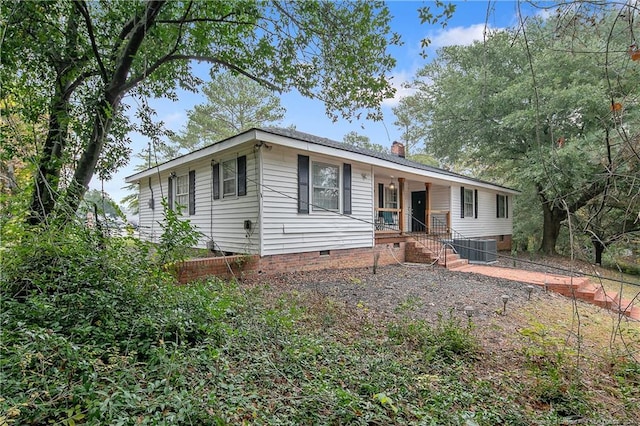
[401, 202]
[427, 219]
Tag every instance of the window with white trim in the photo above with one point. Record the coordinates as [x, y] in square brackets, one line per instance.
[326, 187]
[468, 203]
[229, 178]
[181, 197]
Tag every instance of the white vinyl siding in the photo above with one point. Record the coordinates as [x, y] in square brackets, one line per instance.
[219, 220]
[287, 231]
[276, 225]
[150, 212]
[486, 225]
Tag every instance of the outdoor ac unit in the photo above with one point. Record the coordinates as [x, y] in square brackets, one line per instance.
[477, 251]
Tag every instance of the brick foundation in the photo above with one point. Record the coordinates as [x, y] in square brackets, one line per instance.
[389, 250]
[503, 242]
[387, 254]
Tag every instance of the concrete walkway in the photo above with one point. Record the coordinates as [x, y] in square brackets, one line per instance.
[579, 287]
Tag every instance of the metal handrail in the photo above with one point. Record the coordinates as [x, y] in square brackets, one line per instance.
[457, 236]
[432, 240]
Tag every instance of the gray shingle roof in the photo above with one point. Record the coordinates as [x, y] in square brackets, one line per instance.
[306, 137]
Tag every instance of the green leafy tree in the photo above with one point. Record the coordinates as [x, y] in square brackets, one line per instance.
[78, 60]
[234, 103]
[95, 200]
[361, 141]
[537, 107]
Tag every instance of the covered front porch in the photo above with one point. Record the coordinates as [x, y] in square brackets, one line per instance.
[405, 205]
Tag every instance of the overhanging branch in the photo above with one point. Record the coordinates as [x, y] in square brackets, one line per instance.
[169, 58]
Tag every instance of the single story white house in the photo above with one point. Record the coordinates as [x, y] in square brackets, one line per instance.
[275, 192]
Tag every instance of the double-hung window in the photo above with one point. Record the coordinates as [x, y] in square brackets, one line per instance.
[326, 187]
[322, 186]
[229, 178]
[390, 197]
[182, 191]
[468, 203]
[231, 181]
[502, 206]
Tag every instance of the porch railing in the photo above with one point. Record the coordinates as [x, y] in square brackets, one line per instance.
[440, 222]
[387, 219]
[441, 237]
[436, 240]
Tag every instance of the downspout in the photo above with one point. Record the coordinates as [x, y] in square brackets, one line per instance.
[153, 209]
[373, 206]
[260, 203]
[401, 196]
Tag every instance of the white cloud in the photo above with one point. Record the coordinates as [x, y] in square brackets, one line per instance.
[397, 81]
[461, 36]
[175, 120]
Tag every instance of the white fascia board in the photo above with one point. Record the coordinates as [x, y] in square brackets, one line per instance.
[195, 155]
[376, 162]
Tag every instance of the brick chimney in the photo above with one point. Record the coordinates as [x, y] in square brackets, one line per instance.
[397, 148]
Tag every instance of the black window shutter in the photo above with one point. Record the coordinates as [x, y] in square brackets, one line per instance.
[346, 187]
[215, 171]
[462, 201]
[475, 203]
[241, 170]
[170, 192]
[497, 205]
[192, 192]
[506, 206]
[303, 184]
[381, 195]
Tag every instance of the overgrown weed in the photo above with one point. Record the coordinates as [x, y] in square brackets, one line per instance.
[98, 333]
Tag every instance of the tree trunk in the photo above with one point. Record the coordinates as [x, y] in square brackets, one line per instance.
[599, 249]
[91, 154]
[50, 163]
[553, 217]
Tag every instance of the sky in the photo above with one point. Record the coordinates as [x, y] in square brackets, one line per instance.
[466, 25]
